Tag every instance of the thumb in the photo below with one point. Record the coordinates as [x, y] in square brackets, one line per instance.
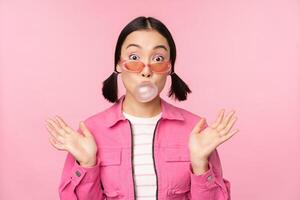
[84, 129]
[200, 125]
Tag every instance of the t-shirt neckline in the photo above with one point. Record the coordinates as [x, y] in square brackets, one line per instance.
[142, 119]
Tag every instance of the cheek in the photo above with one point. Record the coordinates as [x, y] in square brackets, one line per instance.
[161, 83]
[129, 80]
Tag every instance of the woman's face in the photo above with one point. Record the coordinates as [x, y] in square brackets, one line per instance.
[148, 46]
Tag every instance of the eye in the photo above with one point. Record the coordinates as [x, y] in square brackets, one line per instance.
[133, 57]
[158, 58]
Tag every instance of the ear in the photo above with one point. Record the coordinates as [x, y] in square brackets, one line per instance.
[118, 68]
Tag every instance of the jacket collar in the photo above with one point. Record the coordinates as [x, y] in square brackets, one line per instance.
[114, 113]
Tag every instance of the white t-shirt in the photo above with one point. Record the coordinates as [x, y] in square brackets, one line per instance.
[144, 174]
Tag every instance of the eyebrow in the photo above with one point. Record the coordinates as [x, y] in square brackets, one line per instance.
[156, 47]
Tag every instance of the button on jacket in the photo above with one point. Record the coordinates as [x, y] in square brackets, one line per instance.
[112, 176]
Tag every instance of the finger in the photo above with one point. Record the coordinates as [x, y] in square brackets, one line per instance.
[68, 130]
[56, 144]
[57, 122]
[54, 133]
[219, 119]
[61, 121]
[63, 125]
[62, 132]
[199, 126]
[54, 140]
[51, 130]
[53, 123]
[57, 128]
[84, 129]
[229, 126]
[228, 136]
[225, 121]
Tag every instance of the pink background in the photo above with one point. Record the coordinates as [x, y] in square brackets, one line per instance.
[234, 54]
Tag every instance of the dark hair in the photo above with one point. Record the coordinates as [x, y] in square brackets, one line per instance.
[178, 87]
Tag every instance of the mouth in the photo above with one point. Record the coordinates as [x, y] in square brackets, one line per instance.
[145, 82]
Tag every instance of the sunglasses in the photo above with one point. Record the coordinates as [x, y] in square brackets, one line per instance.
[138, 66]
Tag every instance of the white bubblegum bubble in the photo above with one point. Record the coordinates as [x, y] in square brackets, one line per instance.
[145, 91]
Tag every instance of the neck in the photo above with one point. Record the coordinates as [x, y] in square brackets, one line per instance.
[141, 109]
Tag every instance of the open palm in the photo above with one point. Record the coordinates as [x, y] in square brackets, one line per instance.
[203, 141]
[82, 146]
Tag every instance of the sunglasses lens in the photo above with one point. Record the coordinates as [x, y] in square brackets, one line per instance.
[160, 67]
[137, 66]
[134, 66]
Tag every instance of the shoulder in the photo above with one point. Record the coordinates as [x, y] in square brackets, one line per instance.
[100, 116]
[189, 116]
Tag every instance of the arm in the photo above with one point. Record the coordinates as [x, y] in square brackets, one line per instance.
[80, 183]
[210, 185]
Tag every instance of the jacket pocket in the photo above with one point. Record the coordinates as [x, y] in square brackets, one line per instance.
[110, 156]
[110, 171]
[179, 193]
[111, 195]
[177, 161]
[176, 154]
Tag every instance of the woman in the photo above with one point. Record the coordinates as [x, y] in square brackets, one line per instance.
[143, 147]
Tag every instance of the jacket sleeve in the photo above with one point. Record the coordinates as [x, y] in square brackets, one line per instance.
[210, 185]
[80, 183]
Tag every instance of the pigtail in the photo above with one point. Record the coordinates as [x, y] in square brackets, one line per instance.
[178, 88]
[110, 88]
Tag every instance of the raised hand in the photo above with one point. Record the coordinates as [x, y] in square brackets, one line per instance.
[203, 142]
[82, 146]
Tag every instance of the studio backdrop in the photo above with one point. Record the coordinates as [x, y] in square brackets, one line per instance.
[236, 54]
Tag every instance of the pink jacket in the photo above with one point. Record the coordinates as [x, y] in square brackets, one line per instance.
[112, 177]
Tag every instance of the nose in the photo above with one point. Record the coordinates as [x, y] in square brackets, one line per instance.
[146, 72]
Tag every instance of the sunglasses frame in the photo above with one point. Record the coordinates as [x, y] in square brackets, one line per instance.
[123, 62]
